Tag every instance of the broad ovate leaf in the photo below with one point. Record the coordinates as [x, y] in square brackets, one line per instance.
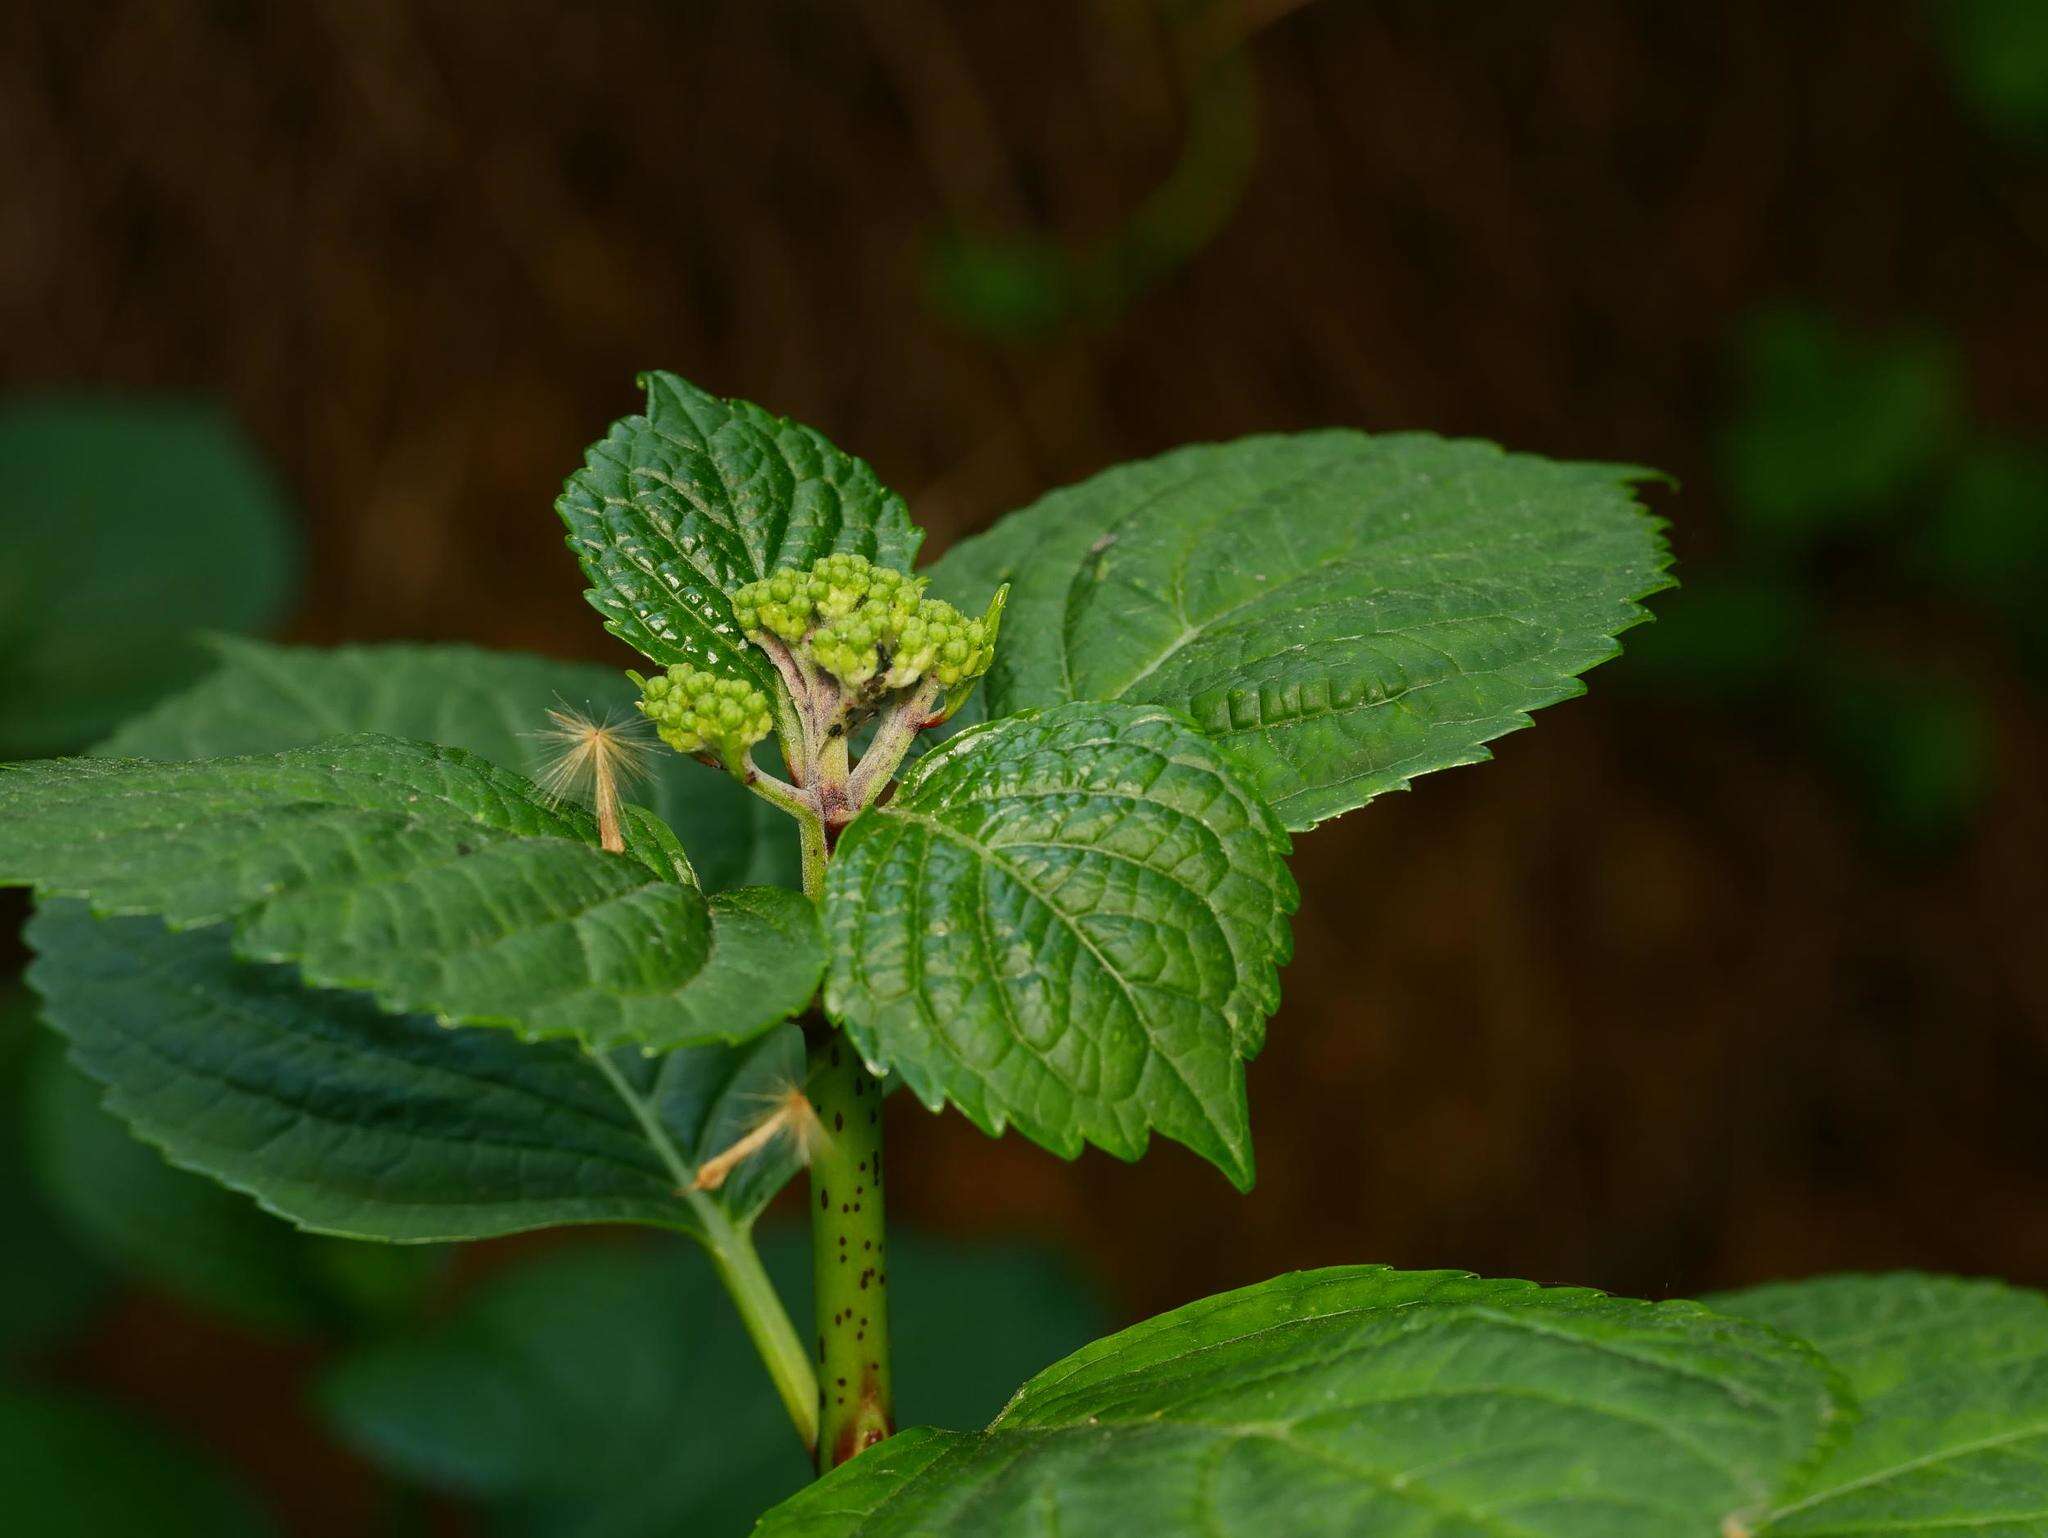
[677, 506]
[1343, 611]
[1952, 1376]
[1371, 1403]
[423, 875]
[429, 1144]
[264, 698]
[1070, 921]
[348, 1120]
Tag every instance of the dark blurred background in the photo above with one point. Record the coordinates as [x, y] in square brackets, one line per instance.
[1733, 970]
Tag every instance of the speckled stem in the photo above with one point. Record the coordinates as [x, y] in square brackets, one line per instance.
[849, 1265]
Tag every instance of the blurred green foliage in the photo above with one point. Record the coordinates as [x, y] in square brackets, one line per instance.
[76, 1470]
[130, 525]
[48, 1281]
[1988, 538]
[1834, 424]
[1015, 286]
[1997, 55]
[184, 1235]
[605, 1391]
[1864, 501]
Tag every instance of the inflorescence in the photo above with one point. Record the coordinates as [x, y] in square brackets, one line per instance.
[849, 640]
[862, 623]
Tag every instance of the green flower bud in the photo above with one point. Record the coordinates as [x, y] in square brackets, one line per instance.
[855, 619]
[695, 711]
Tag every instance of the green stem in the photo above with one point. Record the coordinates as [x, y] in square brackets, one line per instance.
[737, 1262]
[892, 740]
[811, 841]
[849, 1262]
[776, 792]
[849, 1265]
[767, 1321]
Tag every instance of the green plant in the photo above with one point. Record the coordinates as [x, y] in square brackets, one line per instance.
[1043, 799]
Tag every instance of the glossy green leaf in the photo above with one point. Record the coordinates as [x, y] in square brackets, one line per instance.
[72, 1469]
[263, 698]
[676, 507]
[1071, 921]
[606, 1392]
[128, 525]
[1371, 1403]
[1344, 612]
[424, 875]
[351, 1121]
[155, 1015]
[1953, 1379]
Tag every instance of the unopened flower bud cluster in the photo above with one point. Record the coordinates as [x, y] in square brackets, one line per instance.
[695, 711]
[859, 622]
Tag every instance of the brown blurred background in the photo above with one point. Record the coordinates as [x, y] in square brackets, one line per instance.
[1682, 991]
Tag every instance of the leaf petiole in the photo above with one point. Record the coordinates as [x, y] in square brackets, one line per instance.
[738, 1263]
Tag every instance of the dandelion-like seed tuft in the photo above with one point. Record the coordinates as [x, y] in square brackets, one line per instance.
[586, 759]
[787, 1112]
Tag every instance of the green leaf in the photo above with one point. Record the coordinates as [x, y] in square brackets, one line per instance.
[1367, 1402]
[1070, 920]
[135, 998]
[424, 875]
[1344, 612]
[76, 1470]
[128, 524]
[265, 699]
[1953, 1377]
[605, 1392]
[676, 508]
[350, 1121]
